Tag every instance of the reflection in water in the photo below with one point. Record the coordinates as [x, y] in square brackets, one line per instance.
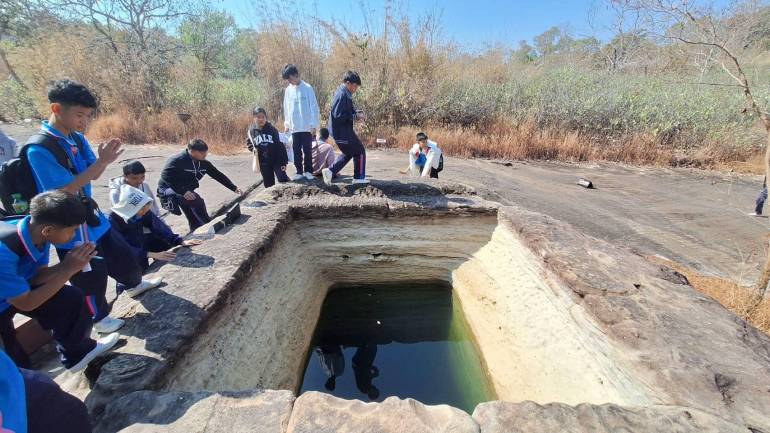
[332, 362]
[417, 336]
[365, 371]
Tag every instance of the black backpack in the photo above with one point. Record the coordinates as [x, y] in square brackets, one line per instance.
[16, 174]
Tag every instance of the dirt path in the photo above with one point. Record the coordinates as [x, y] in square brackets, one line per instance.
[694, 217]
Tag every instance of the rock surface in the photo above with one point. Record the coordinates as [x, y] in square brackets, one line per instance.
[315, 412]
[200, 412]
[654, 339]
[529, 417]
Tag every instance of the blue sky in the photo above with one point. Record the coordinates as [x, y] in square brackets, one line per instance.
[471, 23]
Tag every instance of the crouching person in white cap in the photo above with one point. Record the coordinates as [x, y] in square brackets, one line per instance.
[147, 236]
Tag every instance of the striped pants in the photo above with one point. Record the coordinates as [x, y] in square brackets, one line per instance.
[351, 148]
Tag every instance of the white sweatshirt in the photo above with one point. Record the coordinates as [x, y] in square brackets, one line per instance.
[300, 108]
[433, 158]
[115, 184]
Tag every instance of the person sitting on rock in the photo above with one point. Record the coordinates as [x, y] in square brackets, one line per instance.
[30, 287]
[323, 152]
[180, 178]
[134, 174]
[264, 141]
[425, 158]
[131, 217]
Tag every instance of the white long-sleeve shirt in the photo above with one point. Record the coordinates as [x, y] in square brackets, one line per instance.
[300, 108]
[433, 158]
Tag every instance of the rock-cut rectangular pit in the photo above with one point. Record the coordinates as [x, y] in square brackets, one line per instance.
[535, 342]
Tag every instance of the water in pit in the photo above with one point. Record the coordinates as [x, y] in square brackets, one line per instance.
[406, 341]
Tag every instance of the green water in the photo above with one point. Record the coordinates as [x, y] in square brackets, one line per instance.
[407, 341]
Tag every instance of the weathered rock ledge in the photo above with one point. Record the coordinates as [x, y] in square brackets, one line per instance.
[686, 363]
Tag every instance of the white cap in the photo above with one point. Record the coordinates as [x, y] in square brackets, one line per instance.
[131, 201]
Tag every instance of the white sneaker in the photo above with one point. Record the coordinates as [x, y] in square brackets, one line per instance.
[108, 325]
[327, 175]
[309, 176]
[298, 177]
[103, 345]
[758, 215]
[361, 181]
[144, 286]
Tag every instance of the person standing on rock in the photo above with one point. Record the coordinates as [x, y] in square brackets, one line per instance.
[300, 113]
[264, 142]
[180, 178]
[60, 157]
[341, 119]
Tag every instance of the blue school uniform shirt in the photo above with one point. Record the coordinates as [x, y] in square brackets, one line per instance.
[13, 406]
[15, 271]
[49, 174]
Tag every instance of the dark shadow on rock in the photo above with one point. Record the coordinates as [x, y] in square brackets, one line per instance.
[144, 407]
[420, 193]
[168, 324]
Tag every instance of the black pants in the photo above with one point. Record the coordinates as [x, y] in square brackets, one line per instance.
[433, 171]
[302, 144]
[115, 263]
[49, 409]
[270, 173]
[66, 316]
[351, 148]
[195, 211]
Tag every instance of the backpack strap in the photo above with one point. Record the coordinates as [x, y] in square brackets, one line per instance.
[51, 144]
[10, 237]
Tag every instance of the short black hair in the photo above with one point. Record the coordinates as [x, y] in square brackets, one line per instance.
[422, 136]
[289, 70]
[324, 133]
[198, 144]
[351, 77]
[258, 110]
[70, 94]
[134, 167]
[57, 208]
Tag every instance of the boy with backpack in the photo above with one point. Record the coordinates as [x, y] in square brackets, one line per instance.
[300, 113]
[265, 142]
[146, 234]
[60, 157]
[31, 287]
[341, 119]
[180, 178]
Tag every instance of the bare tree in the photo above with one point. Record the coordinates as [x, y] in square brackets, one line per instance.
[136, 32]
[722, 33]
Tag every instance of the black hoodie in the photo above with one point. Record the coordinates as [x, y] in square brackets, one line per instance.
[182, 174]
[270, 150]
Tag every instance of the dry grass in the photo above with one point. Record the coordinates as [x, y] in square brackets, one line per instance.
[225, 133]
[527, 141]
[738, 299]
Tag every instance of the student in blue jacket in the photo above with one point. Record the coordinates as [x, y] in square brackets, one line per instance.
[147, 236]
[341, 119]
[30, 287]
[72, 106]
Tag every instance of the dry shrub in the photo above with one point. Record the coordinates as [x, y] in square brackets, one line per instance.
[528, 141]
[740, 300]
[224, 132]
